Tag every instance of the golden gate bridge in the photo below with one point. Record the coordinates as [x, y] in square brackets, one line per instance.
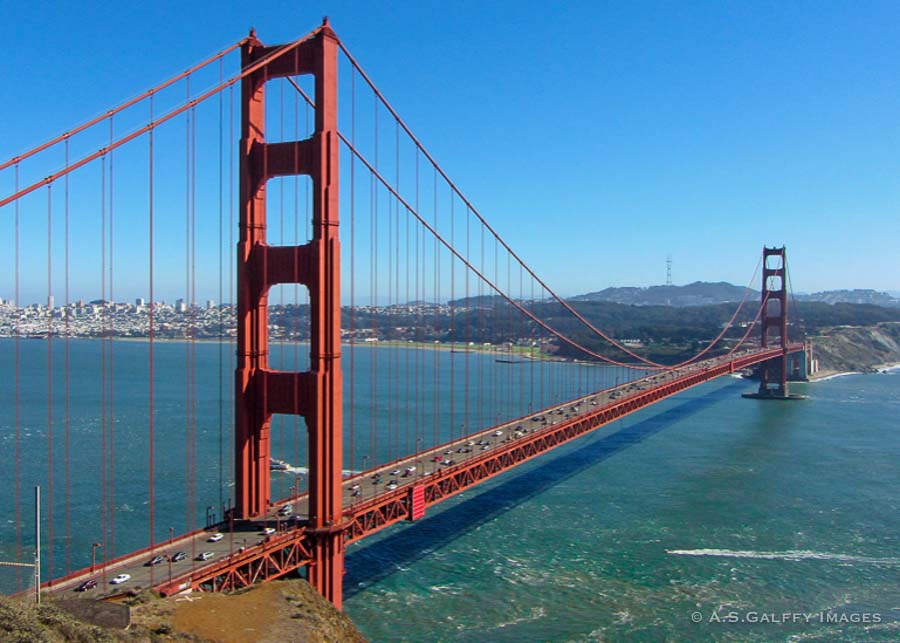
[340, 205]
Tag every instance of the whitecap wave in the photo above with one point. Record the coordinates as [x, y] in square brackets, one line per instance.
[791, 554]
[536, 613]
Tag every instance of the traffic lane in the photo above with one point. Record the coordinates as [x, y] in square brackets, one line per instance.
[377, 481]
[141, 573]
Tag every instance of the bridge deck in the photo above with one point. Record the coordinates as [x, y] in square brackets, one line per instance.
[401, 490]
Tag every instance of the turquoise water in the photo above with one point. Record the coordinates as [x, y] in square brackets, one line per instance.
[395, 400]
[706, 504]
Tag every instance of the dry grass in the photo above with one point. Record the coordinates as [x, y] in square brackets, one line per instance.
[288, 610]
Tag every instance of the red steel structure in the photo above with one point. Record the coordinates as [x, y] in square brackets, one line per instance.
[774, 322]
[335, 517]
[291, 549]
[315, 394]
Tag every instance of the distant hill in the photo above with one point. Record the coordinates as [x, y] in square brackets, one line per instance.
[478, 301]
[699, 293]
[856, 296]
[702, 293]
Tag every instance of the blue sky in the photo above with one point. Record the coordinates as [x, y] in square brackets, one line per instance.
[597, 138]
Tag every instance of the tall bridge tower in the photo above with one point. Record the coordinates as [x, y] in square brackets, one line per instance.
[773, 375]
[315, 394]
[774, 321]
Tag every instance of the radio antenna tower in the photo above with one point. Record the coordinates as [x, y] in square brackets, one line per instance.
[669, 270]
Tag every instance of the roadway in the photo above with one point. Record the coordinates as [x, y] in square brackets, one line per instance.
[357, 489]
[377, 481]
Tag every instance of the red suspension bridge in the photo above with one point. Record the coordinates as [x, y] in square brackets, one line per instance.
[424, 277]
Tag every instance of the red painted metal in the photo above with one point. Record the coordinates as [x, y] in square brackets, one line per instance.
[278, 556]
[367, 518]
[286, 551]
[317, 394]
[417, 502]
[774, 291]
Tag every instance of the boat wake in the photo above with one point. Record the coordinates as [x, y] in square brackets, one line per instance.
[346, 473]
[791, 555]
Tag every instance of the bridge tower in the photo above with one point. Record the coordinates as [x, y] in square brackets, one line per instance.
[316, 394]
[773, 375]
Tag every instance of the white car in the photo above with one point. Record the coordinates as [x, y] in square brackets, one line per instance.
[121, 578]
[268, 531]
[205, 555]
[215, 538]
[498, 433]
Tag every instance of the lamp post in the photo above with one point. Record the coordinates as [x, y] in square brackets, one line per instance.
[94, 555]
[171, 534]
[208, 512]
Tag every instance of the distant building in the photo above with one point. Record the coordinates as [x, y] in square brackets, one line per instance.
[139, 302]
[50, 302]
[210, 304]
[180, 306]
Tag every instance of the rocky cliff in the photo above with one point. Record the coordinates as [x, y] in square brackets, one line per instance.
[857, 348]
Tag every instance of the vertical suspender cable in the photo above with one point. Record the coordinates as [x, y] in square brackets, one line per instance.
[150, 408]
[187, 287]
[193, 309]
[221, 330]
[418, 424]
[66, 369]
[352, 316]
[452, 329]
[18, 402]
[437, 317]
[296, 325]
[104, 507]
[373, 375]
[231, 303]
[111, 378]
[483, 327]
[50, 471]
[282, 326]
[410, 424]
[393, 300]
[468, 334]
[296, 317]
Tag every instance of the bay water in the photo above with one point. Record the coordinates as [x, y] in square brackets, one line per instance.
[705, 517]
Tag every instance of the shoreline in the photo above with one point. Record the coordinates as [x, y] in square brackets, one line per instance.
[825, 375]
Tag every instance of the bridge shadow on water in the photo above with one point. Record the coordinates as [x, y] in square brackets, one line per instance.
[369, 564]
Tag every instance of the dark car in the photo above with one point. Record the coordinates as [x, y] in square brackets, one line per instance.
[179, 556]
[156, 560]
[91, 583]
